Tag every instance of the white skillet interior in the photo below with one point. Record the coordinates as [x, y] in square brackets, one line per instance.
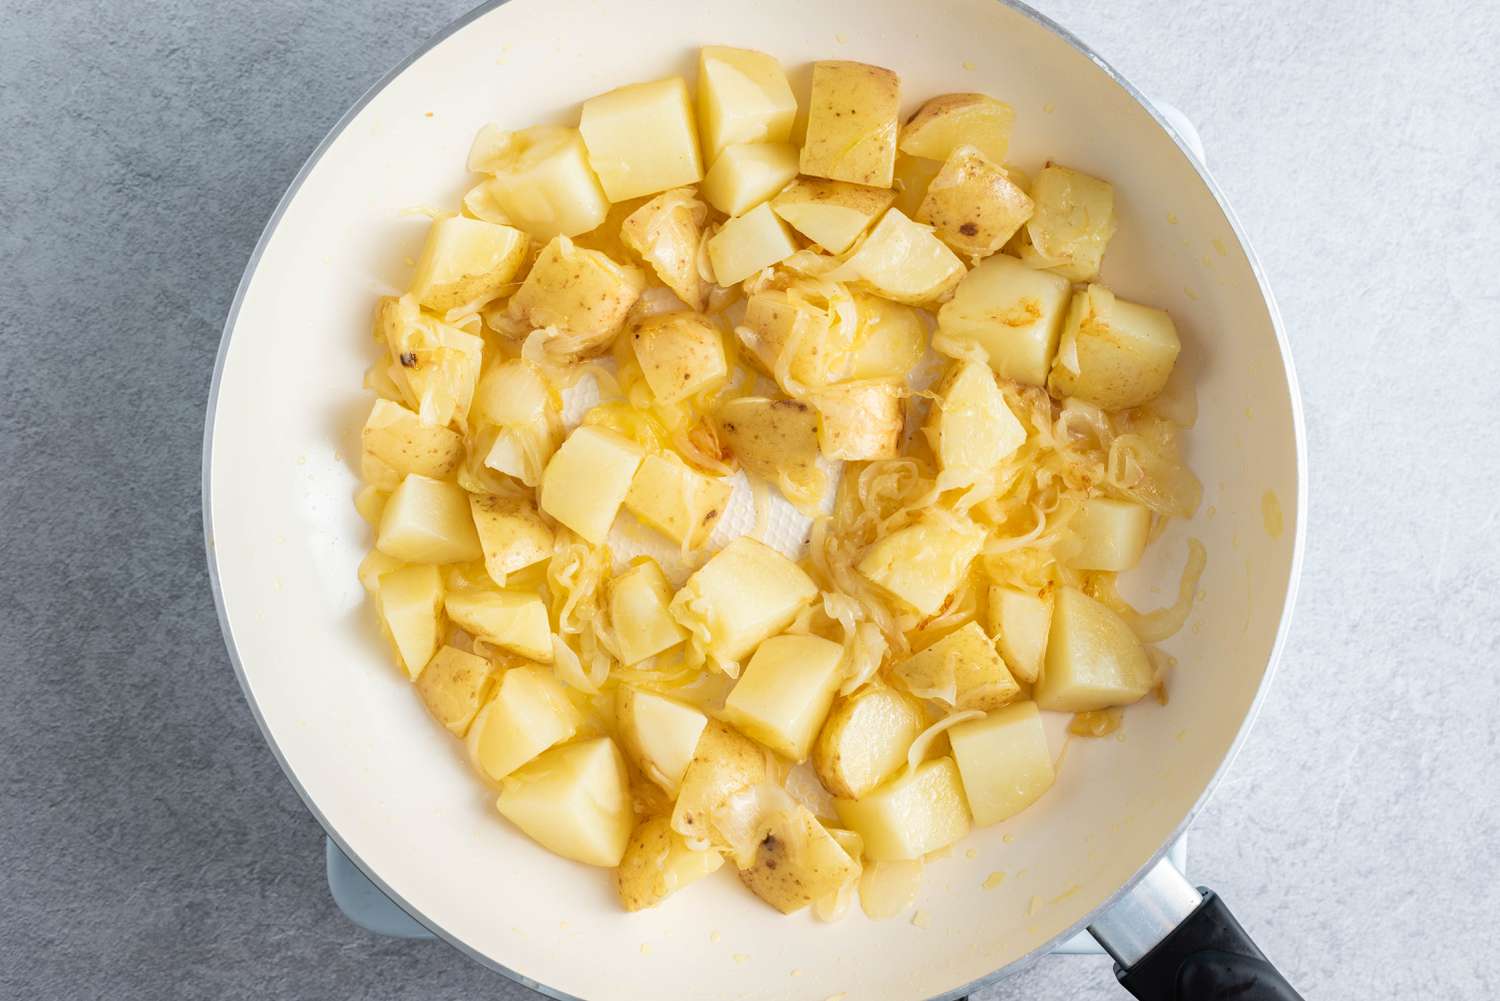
[392, 785]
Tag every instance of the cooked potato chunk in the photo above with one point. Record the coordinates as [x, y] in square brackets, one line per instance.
[467, 262]
[587, 480]
[832, 214]
[771, 437]
[529, 713]
[851, 123]
[659, 733]
[913, 175]
[865, 739]
[428, 521]
[1003, 761]
[973, 204]
[435, 366]
[512, 535]
[962, 669]
[677, 501]
[399, 443]
[723, 764]
[912, 815]
[1113, 353]
[410, 603]
[946, 122]
[743, 97]
[923, 563]
[747, 174]
[1093, 660]
[542, 179]
[745, 593]
[679, 354]
[749, 243]
[573, 800]
[797, 861]
[523, 451]
[1014, 312]
[666, 232]
[901, 260]
[642, 138]
[890, 339]
[1020, 622]
[374, 566]
[1072, 223]
[638, 600]
[861, 420]
[1107, 534]
[783, 694]
[514, 620]
[970, 426]
[658, 863]
[513, 393]
[581, 296]
[453, 685]
[782, 320]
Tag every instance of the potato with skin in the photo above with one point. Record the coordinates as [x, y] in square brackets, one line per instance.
[658, 863]
[950, 120]
[913, 175]
[724, 762]
[454, 685]
[410, 603]
[574, 801]
[428, 521]
[665, 232]
[923, 563]
[1015, 313]
[973, 204]
[852, 117]
[770, 437]
[676, 500]
[1093, 659]
[782, 320]
[467, 262]
[1113, 353]
[638, 600]
[902, 261]
[512, 620]
[1073, 221]
[861, 421]
[748, 244]
[399, 443]
[642, 138]
[797, 861]
[434, 365]
[659, 733]
[1019, 622]
[581, 295]
[743, 97]
[832, 214]
[747, 174]
[865, 739]
[679, 354]
[512, 535]
[962, 669]
[587, 480]
[913, 815]
[542, 181]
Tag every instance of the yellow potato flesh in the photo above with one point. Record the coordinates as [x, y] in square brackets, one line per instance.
[428, 521]
[512, 536]
[410, 603]
[784, 693]
[638, 600]
[912, 815]
[745, 593]
[1014, 312]
[1107, 534]
[659, 733]
[1020, 622]
[743, 97]
[467, 262]
[745, 175]
[923, 563]
[681, 503]
[1113, 353]
[454, 685]
[852, 123]
[587, 480]
[529, 713]
[1003, 760]
[865, 739]
[642, 138]
[542, 181]
[832, 214]
[1093, 659]
[514, 620]
[574, 801]
[749, 243]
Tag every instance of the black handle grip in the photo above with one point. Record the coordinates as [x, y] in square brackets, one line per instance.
[1206, 958]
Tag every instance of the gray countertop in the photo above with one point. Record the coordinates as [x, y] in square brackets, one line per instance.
[149, 846]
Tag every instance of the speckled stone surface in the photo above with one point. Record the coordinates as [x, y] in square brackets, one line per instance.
[149, 846]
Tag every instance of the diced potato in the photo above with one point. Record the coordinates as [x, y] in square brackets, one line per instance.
[743, 97]
[428, 521]
[1020, 622]
[901, 260]
[1014, 312]
[524, 450]
[962, 669]
[797, 862]
[890, 340]
[400, 443]
[581, 294]
[454, 685]
[970, 426]
[923, 563]
[1072, 223]
[410, 603]
[374, 566]
[913, 175]
[912, 815]
[434, 365]
[513, 393]
[861, 420]
[744, 175]
[851, 123]
[638, 600]
[512, 535]
[1107, 534]
[642, 138]
[658, 863]
[542, 179]
[723, 764]
[771, 437]
[666, 233]
[1113, 353]
[574, 801]
[832, 214]
[973, 204]
[1003, 761]
[466, 261]
[865, 739]
[369, 500]
[677, 501]
[953, 119]
[782, 320]
[659, 733]
[679, 354]
[749, 243]
[1093, 660]
[529, 713]
[745, 593]
[587, 480]
[514, 620]
[783, 694]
